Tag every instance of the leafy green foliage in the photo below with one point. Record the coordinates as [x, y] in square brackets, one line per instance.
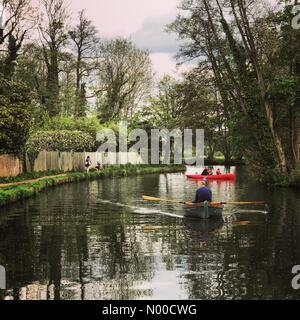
[125, 78]
[89, 125]
[294, 178]
[63, 141]
[256, 77]
[15, 117]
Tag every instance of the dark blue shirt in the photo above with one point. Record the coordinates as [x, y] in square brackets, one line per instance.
[203, 194]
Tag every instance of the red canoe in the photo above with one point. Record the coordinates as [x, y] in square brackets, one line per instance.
[229, 176]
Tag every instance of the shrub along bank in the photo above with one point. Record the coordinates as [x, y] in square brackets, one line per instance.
[13, 193]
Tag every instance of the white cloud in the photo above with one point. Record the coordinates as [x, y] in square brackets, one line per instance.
[165, 63]
[153, 36]
[142, 20]
[122, 17]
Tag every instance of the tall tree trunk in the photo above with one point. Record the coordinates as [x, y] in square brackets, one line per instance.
[295, 122]
[282, 161]
[52, 99]
[80, 100]
[11, 58]
[295, 118]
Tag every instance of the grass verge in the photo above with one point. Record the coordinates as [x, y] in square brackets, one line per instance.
[29, 176]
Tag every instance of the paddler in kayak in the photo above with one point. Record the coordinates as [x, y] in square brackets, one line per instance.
[218, 172]
[205, 172]
[203, 193]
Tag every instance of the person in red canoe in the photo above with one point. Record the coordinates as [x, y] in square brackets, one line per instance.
[210, 172]
[205, 172]
[218, 172]
[203, 193]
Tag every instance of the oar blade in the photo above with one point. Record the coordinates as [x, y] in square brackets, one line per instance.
[146, 198]
[246, 203]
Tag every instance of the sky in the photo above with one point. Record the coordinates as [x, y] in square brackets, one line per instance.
[143, 21]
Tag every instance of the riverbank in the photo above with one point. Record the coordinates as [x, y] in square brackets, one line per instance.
[14, 191]
[223, 162]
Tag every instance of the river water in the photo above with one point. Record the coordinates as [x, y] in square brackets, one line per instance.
[100, 240]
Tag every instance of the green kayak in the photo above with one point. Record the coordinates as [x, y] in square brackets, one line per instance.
[204, 210]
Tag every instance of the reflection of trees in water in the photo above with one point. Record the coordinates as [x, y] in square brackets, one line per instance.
[16, 242]
[173, 186]
[181, 247]
[75, 252]
[125, 189]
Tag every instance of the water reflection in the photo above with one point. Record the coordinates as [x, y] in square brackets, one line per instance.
[98, 240]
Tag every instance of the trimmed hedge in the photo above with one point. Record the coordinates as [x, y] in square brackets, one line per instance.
[63, 141]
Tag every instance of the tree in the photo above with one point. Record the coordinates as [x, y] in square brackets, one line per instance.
[191, 103]
[288, 58]
[53, 36]
[85, 40]
[204, 108]
[236, 41]
[242, 14]
[21, 17]
[125, 78]
[32, 70]
[67, 77]
[164, 109]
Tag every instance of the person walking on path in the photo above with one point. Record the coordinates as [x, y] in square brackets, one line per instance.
[88, 164]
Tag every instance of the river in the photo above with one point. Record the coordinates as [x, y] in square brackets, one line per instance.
[100, 240]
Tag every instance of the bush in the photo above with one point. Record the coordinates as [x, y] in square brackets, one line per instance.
[63, 141]
[15, 117]
[89, 125]
[295, 177]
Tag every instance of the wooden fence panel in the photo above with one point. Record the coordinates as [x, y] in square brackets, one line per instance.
[10, 166]
[64, 161]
